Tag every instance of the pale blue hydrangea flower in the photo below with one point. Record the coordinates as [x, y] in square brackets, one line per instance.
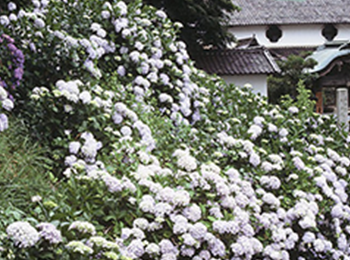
[70, 160]
[163, 97]
[39, 23]
[298, 163]
[74, 147]
[193, 213]
[120, 24]
[187, 251]
[220, 226]
[22, 234]
[228, 202]
[217, 248]
[113, 184]
[169, 256]
[147, 204]
[189, 240]
[180, 227]
[49, 232]
[342, 242]
[4, 20]
[319, 245]
[205, 254]
[162, 208]
[258, 120]
[167, 247]
[271, 199]
[105, 14]
[198, 231]
[216, 212]
[270, 182]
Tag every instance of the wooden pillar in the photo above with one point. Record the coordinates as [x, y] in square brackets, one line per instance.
[319, 103]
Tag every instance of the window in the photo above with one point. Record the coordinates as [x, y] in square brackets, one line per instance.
[329, 32]
[273, 33]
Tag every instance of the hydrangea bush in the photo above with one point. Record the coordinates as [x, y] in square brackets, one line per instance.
[157, 160]
[11, 67]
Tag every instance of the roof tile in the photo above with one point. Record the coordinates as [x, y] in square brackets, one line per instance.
[257, 12]
[237, 61]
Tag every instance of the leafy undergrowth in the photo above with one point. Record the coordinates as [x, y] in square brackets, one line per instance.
[24, 167]
[151, 157]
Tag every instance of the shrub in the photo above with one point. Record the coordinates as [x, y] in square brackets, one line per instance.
[157, 160]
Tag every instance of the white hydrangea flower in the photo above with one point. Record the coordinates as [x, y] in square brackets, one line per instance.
[185, 160]
[79, 247]
[85, 97]
[39, 23]
[152, 249]
[7, 104]
[163, 97]
[22, 234]
[3, 93]
[293, 110]
[83, 227]
[255, 131]
[123, 8]
[254, 159]
[11, 6]
[4, 20]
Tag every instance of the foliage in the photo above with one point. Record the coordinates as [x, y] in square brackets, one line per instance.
[154, 159]
[21, 160]
[204, 21]
[292, 71]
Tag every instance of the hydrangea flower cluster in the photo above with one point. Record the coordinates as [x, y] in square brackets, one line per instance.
[49, 232]
[23, 234]
[11, 64]
[185, 166]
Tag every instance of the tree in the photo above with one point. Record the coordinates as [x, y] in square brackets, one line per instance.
[203, 20]
[292, 72]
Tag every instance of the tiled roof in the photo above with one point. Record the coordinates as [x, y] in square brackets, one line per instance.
[237, 61]
[258, 12]
[327, 53]
[281, 53]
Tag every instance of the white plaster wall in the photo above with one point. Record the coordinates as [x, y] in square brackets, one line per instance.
[343, 32]
[292, 35]
[259, 82]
